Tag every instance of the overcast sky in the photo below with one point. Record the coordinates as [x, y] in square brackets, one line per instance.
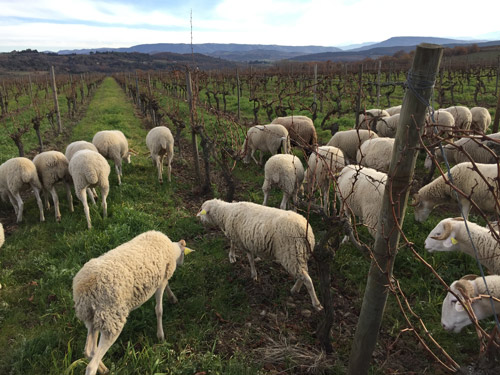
[72, 24]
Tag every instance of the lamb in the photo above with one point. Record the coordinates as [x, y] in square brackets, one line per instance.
[451, 235]
[323, 165]
[443, 121]
[301, 129]
[470, 288]
[481, 119]
[107, 288]
[368, 119]
[387, 126]
[160, 143]
[349, 141]
[467, 180]
[52, 167]
[285, 171]
[90, 169]
[284, 235]
[361, 190]
[73, 148]
[462, 116]
[376, 153]
[394, 110]
[265, 138]
[113, 145]
[18, 174]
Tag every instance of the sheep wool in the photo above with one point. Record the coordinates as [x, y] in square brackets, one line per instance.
[349, 141]
[368, 119]
[283, 235]
[107, 288]
[462, 116]
[16, 175]
[387, 126]
[285, 171]
[52, 167]
[76, 146]
[376, 153]
[160, 143]
[265, 138]
[301, 128]
[113, 145]
[481, 119]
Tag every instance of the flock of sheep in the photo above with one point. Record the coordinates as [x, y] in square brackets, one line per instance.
[355, 161]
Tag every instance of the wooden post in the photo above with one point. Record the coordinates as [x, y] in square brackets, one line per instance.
[360, 91]
[238, 90]
[31, 90]
[494, 129]
[137, 97]
[498, 74]
[315, 81]
[56, 102]
[378, 82]
[404, 155]
[194, 140]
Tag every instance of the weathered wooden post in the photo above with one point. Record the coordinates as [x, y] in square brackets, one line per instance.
[194, 140]
[378, 82]
[404, 155]
[238, 90]
[496, 120]
[56, 102]
[360, 92]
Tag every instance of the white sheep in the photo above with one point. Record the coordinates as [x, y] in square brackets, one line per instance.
[470, 288]
[301, 129]
[113, 145]
[451, 235]
[52, 167]
[107, 288]
[394, 110]
[285, 171]
[73, 148]
[368, 119]
[16, 175]
[90, 169]
[349, 141]
[265, 138]
[376, 153]
[462, 116]
[440, 120]
[322, 166]
[361, 190]
[160, 143]
[259, 230]
[387, 126]
[467, 180]
[481, 119]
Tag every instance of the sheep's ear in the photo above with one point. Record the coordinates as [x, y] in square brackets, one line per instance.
[451, 240]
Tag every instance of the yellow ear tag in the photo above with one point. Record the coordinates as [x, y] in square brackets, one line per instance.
[187, 250]
[454, 241]
[202, 212]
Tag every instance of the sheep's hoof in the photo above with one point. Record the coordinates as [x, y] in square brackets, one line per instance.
[318, 307]
[161, 336]
[58, 219]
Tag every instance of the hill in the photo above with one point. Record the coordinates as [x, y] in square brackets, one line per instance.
[408, 41]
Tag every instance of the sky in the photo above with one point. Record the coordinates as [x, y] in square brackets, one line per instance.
[53, 25]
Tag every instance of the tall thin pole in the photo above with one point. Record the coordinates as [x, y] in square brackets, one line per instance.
[56, 102]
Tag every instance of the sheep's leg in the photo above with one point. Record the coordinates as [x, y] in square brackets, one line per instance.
[118, 173]
[253, 157]
[55, 199]
[159, 168]
[232, 253]
[171, 296]
[82, 195]
[46, 202]
[310, 288]
[266, 187]
[466, 206]
[297, 286]
[91, 193]
[159, 309]
[69, 196]
[104, 204]
[36, 191]
[91, 346]
[169, 169]
[13, 202]
[20, 206]
[253, 271]
[284, 201]
[105, 343]
[261, 157]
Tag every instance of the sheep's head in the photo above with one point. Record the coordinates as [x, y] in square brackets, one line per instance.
[205, 213]
[421, 208]
[454, 316]
[442, 237]
[183, 252]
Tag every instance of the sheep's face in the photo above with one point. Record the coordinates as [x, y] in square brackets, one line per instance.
[422, 209]
[442, 238]
[453, 315]
[205, 214]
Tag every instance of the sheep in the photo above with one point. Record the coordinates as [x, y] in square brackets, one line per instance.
[265, 138]
[394, 110]
[90, 169]
[71, 149]
[323, 165]
[301, 129]
[442, 120]
[387, 126]
[368, 119]
[284, 235]
[107, 288]
[349, 141]
[17, 174]
[361, 190]
[467, 180]
[376, 153]
[470, 288]
[113, 145]
[481, 119]
[160, 143]
[462, 116]
[285, 171]
[2, 235]
[451, 235]
[52, 167]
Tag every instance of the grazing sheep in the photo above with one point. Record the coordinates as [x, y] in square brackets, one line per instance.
[286, 172]
[368, 119]
[470, 288]
[462, 116]
[481, 119]
[349, 141]
[52, 167]
[301, 129]
[2, 235]
[284, 235]
[16, 175]
[451, 235]
[113, 145]
[394, 110]
[387, 126]
[265, 138]
[467, 180]
[160, 143]
[442, 121]
[361, 190]
[73, 148]
[323, 165]
[107, 288]
[376, 153]
[90, 169]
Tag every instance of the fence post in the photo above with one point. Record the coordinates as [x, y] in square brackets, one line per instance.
[494, 129]
[378, 82]
[404, 155]
[360, 92]
[238, 89]
[56, 102]
[194, 140]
